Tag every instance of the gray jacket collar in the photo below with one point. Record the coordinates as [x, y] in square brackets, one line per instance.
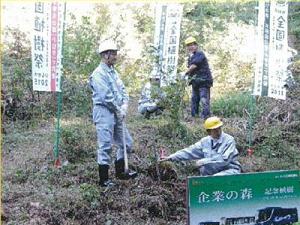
[106, 67]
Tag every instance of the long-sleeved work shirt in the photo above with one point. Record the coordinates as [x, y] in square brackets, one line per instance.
[202, 72]
[108, 89]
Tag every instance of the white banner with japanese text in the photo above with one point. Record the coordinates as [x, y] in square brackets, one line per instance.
[278, 60]
[46, 45]
[272, 47]
[167, 34]
[160, 21]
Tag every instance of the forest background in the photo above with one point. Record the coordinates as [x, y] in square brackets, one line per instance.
[34, 192]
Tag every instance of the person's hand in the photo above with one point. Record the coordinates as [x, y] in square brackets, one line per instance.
[164, 159]
[121, 114]
[182, 75]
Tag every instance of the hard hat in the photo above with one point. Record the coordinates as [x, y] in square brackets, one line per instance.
[212, 123]
[107, 45]
[190, 40]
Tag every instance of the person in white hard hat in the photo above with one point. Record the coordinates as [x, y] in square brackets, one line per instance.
[110, 103]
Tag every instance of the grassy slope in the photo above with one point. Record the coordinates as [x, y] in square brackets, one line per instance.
[34, 192]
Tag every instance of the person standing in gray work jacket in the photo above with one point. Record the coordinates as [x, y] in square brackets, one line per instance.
[110, 103]
[215, 154]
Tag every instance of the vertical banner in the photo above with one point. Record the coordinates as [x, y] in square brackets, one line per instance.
[167, 34]
[266, 53]
[278, 61]
[257, 89]
[271, 56]
[245, 199]
[159, 36]
[46, 45]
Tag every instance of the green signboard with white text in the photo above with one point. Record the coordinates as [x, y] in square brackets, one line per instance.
[267, 198]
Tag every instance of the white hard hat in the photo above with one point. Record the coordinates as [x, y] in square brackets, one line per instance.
[107, 45]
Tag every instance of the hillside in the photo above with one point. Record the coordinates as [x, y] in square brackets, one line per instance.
[34, 192]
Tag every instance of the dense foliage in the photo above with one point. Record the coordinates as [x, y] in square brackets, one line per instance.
[214, 24]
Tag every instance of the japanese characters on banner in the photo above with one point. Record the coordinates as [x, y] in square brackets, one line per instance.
[271, 57]
[167, 34]
[251, 198]
[159, 36]
[47, 46]
[278, 60]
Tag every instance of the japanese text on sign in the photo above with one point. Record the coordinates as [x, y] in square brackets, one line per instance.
[166, 38]
[271, 57]
[47, 46]
[219, 196]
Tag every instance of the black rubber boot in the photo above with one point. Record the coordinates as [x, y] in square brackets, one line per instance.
[103, 176]
[120, 171]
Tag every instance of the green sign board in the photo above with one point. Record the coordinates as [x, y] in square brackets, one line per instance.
[268, 198]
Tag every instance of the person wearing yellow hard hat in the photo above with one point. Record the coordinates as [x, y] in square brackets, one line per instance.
[110, 103]
[200, 78]
[215, 154]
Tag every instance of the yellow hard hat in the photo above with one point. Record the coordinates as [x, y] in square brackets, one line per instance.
[190, 40]
[212, 123]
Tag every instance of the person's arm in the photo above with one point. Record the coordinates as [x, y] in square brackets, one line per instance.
[190, 153]
[124, 95]
[195, 62]
[102, 92]
[122, 89]
[191, 69]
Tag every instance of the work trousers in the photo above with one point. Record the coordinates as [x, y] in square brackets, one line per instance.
[110, 132]
[200, 94]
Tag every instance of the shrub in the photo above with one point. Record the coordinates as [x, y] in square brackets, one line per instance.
[173, 103]
[234, 104]
[78, 142]
[278, 151]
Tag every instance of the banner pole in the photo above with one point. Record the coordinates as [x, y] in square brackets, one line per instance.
[252, 105]
[57, 162]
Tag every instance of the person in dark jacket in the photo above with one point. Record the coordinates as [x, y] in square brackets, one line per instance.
[200, 78]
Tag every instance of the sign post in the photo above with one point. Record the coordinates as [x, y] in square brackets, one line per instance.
[47, 48]
[272, 197]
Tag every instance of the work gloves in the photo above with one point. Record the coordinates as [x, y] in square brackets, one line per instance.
[124, 108]
[121, 113]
